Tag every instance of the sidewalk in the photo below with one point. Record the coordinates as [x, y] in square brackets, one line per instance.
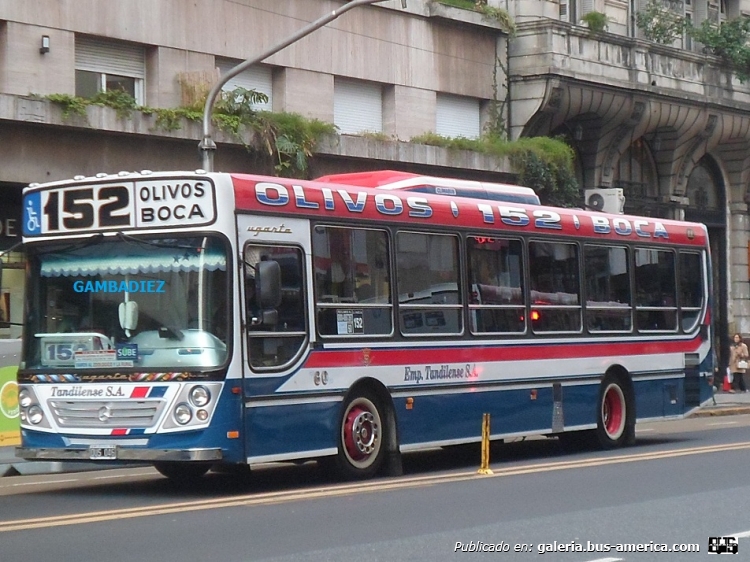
[727, 404]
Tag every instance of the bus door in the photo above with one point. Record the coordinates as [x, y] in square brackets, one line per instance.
[274, 294]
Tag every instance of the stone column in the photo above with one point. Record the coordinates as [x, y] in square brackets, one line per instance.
[739, 289]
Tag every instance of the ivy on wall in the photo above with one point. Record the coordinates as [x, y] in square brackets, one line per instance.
[545, 164]
[288, 138]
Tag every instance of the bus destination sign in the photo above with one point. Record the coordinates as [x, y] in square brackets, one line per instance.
[116, 206]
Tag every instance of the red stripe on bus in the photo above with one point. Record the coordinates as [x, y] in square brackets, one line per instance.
[416, 356]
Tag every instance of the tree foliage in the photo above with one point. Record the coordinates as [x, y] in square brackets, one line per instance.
[730, 41]
[662, 21]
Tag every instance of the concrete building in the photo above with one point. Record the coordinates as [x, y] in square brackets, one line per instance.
[665, 123]
[390, 72]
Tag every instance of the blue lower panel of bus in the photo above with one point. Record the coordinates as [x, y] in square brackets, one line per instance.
[458, 416]
[659, 398]
[286, 429]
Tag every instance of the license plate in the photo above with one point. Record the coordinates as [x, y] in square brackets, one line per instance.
[102, 453]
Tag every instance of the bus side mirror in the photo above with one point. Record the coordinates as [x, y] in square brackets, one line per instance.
[268, 284]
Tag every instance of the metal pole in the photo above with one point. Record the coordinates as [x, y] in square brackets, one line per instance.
[207, 146]
[484, 467]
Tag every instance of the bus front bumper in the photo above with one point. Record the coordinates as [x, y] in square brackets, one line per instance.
[117, 453]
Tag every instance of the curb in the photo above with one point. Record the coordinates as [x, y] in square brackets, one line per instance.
[722, 411]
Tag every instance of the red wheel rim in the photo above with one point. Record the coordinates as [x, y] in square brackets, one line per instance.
[613, 411]
[360, 433]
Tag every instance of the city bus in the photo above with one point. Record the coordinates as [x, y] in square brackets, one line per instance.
[200, 321]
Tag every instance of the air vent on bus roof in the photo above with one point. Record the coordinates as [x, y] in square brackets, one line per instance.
[508, 194]
[406, 181]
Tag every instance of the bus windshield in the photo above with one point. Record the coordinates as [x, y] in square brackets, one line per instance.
[128, 302]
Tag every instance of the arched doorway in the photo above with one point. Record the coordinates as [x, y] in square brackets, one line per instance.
[706, 193]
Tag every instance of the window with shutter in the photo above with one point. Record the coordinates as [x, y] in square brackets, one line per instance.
[564, 11]
[357, 106]
[258, 78]
[457, 116]
[103, 65]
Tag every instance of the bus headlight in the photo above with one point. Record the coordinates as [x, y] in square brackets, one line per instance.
[183, 414]
[24, 398]
[200, 396]
[35, 415]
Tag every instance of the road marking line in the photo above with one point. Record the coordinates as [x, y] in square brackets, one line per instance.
[742, 535]
[723, 423]
[607, 560]
[268, 498]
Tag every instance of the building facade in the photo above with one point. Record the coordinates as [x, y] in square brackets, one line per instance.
[666, 123]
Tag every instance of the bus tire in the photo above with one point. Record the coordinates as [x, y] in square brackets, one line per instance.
[615, 414]
[182, 472]
[361, 437]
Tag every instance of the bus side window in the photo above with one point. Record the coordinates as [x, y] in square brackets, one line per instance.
[275, 330]
[352, 282]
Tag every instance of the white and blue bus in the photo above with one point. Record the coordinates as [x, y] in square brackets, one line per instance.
[207, 320]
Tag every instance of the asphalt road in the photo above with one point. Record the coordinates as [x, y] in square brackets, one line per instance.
[682, 483]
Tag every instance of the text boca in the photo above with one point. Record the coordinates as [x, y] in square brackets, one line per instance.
[175, 203]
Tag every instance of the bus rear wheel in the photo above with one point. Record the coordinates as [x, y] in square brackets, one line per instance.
[361, 447]
[616, 418]
[182, 472]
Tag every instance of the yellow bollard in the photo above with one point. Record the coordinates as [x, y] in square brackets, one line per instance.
[484, 467]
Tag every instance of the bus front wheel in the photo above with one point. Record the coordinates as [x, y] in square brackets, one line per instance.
[616, 416]
[361, 448]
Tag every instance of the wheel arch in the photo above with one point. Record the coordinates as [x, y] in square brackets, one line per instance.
[392, 464]
[380, 391]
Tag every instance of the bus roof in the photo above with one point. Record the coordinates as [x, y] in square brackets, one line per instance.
[390, 179]
[337, 201]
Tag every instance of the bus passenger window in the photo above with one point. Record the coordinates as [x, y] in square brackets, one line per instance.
[496, 296]
[691, 289]
[608, 295]
[427, 271]
[554, 287]
[655, 290]
[352, 282]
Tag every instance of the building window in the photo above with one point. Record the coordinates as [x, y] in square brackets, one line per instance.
[568, 11]
[457, 116]
[357, 106]
[103, 66]
[258, 78]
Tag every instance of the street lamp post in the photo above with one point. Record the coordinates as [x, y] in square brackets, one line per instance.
[207, 146]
